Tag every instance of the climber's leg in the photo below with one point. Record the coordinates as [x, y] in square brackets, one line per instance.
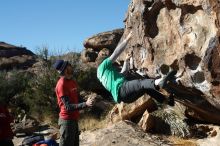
[132, 90]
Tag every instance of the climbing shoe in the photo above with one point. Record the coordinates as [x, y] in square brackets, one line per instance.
[168, 77]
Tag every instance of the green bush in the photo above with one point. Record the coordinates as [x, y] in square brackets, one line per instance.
[12, 83]
[35, 92]
[39, 99]
[87, 80]
[40, 95]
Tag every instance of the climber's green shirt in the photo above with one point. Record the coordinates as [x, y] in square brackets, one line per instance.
[110, 78]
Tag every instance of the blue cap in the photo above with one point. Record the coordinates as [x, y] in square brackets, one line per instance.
[60, 65]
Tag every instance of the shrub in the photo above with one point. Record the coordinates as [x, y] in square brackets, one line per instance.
[40, 95]
[34, 92]
[87, 80]
[12, 83]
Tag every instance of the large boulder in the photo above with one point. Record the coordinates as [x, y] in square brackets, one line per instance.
[15, 57]
[182, 35]
[107, 39]
[100, 45]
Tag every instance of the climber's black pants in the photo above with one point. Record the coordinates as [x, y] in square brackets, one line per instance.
[132, 90]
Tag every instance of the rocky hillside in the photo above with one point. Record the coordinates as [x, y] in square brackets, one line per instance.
[15, 57]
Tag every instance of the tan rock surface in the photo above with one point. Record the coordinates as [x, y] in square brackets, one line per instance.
[182, 35]
[120, 134]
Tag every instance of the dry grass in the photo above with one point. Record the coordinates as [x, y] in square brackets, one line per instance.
[91, 123]
[182, 142]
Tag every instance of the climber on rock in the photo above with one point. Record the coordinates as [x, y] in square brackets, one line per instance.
[124, 90]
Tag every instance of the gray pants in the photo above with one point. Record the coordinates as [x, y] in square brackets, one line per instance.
[69, 133]
[132, 90]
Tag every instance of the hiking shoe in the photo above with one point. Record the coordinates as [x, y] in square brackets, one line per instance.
[167, 78]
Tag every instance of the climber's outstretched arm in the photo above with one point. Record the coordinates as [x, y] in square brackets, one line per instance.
[126, 65]
[120, 48]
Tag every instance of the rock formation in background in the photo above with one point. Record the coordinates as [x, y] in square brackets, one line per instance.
[108, 40]
[15, 57]
[100, 45]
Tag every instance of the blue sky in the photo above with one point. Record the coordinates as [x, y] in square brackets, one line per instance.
[58, 24]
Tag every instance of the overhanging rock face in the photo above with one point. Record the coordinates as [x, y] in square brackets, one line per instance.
[183, 35]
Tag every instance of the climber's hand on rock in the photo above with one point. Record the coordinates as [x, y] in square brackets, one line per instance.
[128, 56]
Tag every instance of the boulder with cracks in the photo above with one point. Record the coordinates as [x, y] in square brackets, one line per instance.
[181, 35]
